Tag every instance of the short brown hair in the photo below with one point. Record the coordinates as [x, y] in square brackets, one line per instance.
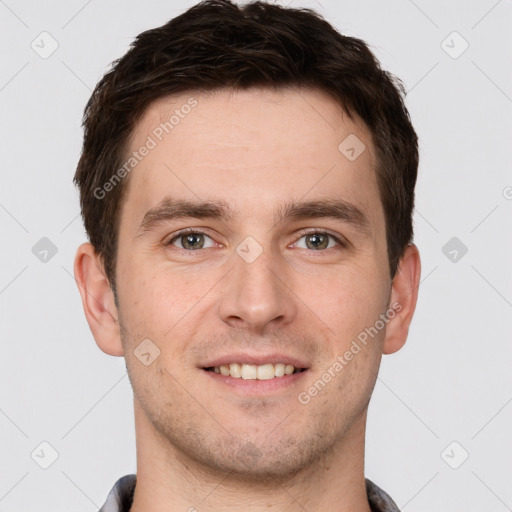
[217, 44]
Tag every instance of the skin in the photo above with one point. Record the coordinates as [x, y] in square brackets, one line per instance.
[201, 443]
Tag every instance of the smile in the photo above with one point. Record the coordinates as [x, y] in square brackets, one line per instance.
[255, 372]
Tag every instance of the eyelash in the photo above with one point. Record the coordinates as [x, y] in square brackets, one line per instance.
[339, 240]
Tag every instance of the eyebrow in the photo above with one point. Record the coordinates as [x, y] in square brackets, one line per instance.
[336, 209]
[171, 209]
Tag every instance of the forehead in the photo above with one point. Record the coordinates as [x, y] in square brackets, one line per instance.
[252, 148]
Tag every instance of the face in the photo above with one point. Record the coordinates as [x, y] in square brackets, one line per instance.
[249, 243]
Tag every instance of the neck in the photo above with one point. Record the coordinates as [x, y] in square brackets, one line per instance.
[168, 480]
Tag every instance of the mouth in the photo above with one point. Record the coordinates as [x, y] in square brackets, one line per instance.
[265, 371]
[255, 374]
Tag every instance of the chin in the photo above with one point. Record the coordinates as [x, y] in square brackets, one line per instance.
[262, 463]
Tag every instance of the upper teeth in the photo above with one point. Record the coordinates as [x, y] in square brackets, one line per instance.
[252, 371]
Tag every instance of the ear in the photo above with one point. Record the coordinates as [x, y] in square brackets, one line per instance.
[404, 294]
[98, 300]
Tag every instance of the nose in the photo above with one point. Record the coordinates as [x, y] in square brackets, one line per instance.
[257, 296]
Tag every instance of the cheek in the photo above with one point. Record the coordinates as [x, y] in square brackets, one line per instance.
[350, 300]
[153, 308]
[151, 295]
[161, 306]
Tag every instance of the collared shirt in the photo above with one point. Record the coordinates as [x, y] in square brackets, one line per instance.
[121, 497]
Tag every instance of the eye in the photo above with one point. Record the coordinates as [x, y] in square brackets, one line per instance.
[318, 240]
[191, 240]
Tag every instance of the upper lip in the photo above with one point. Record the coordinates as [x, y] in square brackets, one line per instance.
[256, 359]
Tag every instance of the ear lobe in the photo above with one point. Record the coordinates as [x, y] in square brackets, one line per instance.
[97, 300]
[404, 294]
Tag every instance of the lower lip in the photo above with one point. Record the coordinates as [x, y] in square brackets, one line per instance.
[255, 386]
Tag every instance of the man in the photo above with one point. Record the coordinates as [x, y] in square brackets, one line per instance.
[247, 184]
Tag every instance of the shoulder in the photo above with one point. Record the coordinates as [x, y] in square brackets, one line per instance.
[379, 500]
[120, 497]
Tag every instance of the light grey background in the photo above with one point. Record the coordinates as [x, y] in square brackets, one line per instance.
[451, 382]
